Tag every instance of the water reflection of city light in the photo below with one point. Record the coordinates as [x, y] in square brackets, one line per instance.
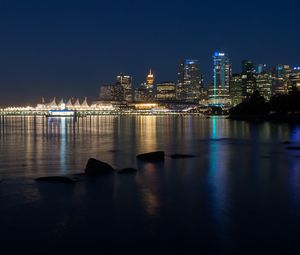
[146, 130]
[295, 133]
[63, 145]
[218, 172]
[149, 186]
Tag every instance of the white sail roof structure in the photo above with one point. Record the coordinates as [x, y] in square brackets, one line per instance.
[85, 103]
[52, 103]
[61, 102]
[77, 103]
[69, 103]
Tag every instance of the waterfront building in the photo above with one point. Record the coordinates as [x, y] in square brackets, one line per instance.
[218, 92]
[104, 106]
[84, 104]
[280, 77]
[236, 89]
[52, 104]
[69, 103]
[190, 81]
[77, 104]
[166, 91]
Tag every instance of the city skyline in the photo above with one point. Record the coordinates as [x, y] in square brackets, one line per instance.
[188, 76]
[68, 48]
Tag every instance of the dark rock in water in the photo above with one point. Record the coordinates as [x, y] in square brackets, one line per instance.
[295, 148]
[182, 156]
[286, 142]
[56, 179]
[96, 167]
[152, 156]
[128, 170]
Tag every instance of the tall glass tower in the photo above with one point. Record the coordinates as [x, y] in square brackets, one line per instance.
[219, 91]
[190, 82]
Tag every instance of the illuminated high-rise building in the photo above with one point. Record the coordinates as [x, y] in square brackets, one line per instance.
[263, 82]
[294, 79]
[166, 91]
[236, 89]
[150, 80]
[280, 77]
[111, 93]
[261, 68]
[106, 93]
[190, 82]
[124, 82]
[218, 93]
[248, 72]
[145, 92]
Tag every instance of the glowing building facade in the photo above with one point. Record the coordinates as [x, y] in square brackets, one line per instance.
[280, 77]
[145, 92]
[218, 93]
[166, 91]
[124, 85]
[248, 72]
[190, 81]
[150, 80]
[236, 89]
[294, 79]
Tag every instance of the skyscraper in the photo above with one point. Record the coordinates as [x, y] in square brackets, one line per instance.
[150, 80]
[236, 89]
[107, 93]
[219, 92]
[124, 82]
[280, 77]
[263, 81]
[190, 82]
[248, 72]
[145, 92]
[294, 79]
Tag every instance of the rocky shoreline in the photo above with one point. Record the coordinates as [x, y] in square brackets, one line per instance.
[95, 168]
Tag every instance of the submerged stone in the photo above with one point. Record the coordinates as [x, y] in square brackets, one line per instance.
[56, 179]
[152, 156]
[286, 142]
[96, 167]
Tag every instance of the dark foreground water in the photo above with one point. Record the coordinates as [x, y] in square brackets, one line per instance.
[240, 195]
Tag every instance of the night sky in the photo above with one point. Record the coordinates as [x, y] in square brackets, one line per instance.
[68, 48]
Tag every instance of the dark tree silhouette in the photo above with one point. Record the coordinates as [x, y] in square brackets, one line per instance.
[255, 106]
[284, 107]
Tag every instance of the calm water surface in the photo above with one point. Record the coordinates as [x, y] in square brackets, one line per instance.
[240, 194]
